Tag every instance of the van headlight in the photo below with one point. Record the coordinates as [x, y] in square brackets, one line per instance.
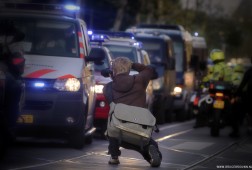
[177, 91]
[70, 84]
[99, 88]
[158, 83]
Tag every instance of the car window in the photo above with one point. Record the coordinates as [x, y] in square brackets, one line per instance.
[48, 37]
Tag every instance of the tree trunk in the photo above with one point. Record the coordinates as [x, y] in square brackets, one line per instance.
[120, 15]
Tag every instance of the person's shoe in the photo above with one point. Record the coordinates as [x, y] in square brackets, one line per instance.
[155, 159]
[114, 161]
[156, 129]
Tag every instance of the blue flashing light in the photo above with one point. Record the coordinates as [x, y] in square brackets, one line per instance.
[39, 84]
[196, 34]
[90, 32]
[72, 7]
[138, 44]
[98, 38]
[115, 34]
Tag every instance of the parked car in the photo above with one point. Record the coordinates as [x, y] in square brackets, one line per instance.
[59, 80]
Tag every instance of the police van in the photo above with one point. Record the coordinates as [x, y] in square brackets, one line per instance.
[117, 44]
[161, 53]
[182, 45]
[59, 92]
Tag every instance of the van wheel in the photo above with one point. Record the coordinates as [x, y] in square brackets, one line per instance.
[89, 139]
[77, 140]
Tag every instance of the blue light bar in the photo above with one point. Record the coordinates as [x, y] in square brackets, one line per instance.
[115, 34]
[98, 38]
[72, 7]
[39, 84]
[90, 32]
[138, 44]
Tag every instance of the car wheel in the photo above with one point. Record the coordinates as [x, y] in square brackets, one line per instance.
[77, 140]
[89, 139]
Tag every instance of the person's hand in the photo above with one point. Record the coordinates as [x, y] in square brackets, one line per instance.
[131, 64]
[106, 72]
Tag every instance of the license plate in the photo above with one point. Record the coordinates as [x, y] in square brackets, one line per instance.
[218, 104]
[25, 119]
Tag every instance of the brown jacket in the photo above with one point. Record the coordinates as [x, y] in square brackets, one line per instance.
[131, 89]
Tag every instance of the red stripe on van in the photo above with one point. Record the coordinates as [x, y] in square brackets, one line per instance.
[81, 45]
[82, 56]
[39, 73]
[67, 76]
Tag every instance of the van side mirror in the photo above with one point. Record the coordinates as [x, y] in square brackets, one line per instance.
[96, 55]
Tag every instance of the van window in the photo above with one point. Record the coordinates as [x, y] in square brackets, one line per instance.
[123, 51]
[178, 49]
[48, 37]
[155, 50]
[86, 39]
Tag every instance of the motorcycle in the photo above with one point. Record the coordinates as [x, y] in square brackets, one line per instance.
[219, 100]
[201, 105]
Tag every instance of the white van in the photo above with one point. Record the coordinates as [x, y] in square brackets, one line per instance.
[59, 95]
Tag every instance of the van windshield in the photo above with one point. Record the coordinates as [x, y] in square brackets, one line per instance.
[155, 50]
[46, 36]
[178, 48]
[123, 51]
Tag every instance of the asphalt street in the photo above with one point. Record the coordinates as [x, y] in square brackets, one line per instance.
[182, 147]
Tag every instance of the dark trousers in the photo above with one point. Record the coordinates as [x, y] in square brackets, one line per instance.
[13, 91]
[236, 114]
[114, 148]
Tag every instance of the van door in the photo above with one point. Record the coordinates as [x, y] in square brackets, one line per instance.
[88, 77]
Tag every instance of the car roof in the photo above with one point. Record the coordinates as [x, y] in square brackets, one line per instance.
[35, 15]
[121, 42]
[115, 34]
[36, 10]
[152, 36]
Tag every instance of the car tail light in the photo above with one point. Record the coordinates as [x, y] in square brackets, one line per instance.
[219, 94]
[196, 101]
[17, 61]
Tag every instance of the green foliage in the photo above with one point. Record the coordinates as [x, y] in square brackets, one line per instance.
[234, 34]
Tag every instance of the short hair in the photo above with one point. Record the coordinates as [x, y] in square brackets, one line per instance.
[121, 65]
